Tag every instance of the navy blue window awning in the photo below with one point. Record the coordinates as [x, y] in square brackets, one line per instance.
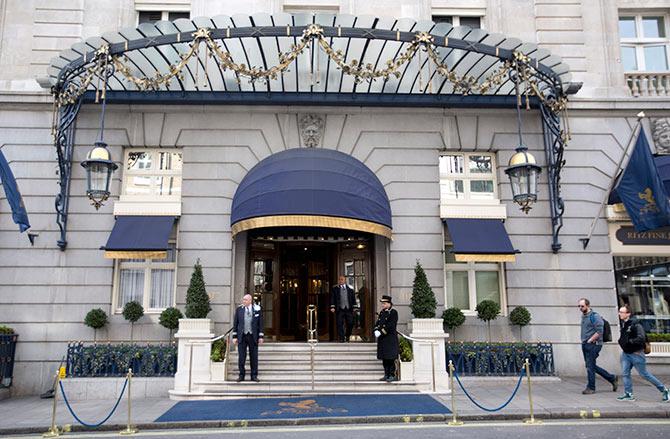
[663, 165]
[139, 237]
[480, 240]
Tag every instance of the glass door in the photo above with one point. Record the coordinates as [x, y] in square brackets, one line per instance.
[355, 266]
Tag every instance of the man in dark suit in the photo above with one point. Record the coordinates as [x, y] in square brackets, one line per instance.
[343, 304]
[248, 333]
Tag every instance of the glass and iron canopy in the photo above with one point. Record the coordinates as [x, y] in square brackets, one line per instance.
[343, 59]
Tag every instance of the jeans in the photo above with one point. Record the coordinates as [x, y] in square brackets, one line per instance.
[591, 352]
[640, 363]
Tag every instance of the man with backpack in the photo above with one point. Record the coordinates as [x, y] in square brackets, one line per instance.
[632, 340]
[592, 336]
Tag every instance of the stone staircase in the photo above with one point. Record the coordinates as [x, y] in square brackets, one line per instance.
[285, 370]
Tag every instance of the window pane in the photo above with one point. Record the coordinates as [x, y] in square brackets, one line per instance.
[451, 164]
[168, 185]
[162, 282]
[487, 286]
[443, 19]
[169, 161]
[452, 189]
[473, 22]
[131, 286]
[172, 16]
[139, 161]
[628, 59]
[458, 291]
[149, 16]
[655, 59]
[627, 27]
[481, 189]
[138, 185]
[652, 27]
[480, 164]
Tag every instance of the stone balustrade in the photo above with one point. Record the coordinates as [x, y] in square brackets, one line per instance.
[648, 83]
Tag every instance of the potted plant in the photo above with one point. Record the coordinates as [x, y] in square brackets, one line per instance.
[453, 318]
[217, 356]
[132, 311]
[423, 303]
[169, 319]
[406, 359]
[521, 317]
[8, 340]
[96, 319]
[488, 310]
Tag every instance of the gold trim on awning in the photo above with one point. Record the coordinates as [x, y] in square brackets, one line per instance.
[120, 254]
[462, 257]
[311, 221]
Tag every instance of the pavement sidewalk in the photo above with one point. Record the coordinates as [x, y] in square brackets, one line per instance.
[552, 398]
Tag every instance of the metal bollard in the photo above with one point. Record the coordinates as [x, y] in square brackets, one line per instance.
[129, 427]
[454, 419]
[532, 420]
[53, 431]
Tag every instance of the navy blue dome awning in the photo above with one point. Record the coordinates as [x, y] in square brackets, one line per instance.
[311, 187]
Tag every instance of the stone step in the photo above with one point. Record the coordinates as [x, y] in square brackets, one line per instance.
[319, 367]
[307, 377]
[223, 387]
[242, 392]
[338, 357]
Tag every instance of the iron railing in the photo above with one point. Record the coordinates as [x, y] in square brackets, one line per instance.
[114, 360]
[500, 359]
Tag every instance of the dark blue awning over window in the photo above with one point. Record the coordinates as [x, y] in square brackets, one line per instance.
[480, 240]
[663, 165]
[139, 237]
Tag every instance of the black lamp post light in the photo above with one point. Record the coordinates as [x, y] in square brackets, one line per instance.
[99, 168]
[522, 169]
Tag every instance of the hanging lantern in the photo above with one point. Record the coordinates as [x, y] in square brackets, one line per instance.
[523, 172]
[99, 168]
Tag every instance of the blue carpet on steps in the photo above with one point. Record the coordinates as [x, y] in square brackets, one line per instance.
[305, 407]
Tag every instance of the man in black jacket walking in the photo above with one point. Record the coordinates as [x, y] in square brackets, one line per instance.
[632, 341]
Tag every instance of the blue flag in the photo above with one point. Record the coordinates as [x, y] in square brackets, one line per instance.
[19, 214]
[641, 189]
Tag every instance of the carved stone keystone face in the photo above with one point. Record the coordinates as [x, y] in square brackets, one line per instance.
[660, 133]
[311, 129]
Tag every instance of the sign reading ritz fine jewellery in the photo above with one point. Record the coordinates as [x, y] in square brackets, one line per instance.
[628, 236]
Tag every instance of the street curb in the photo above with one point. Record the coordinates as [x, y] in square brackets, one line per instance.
[352, 420]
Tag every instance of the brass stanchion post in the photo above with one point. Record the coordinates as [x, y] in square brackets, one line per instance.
[454, 419]
[129, 427]
[53, 431]
[532, 420]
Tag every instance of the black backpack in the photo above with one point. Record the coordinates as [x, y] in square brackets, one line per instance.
[607, 329]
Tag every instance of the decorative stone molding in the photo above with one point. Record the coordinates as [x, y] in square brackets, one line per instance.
[311, 129]
[193, 352]
[660, 133]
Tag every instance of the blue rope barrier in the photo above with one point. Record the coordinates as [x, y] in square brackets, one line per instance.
[67, 404]
[516, 389]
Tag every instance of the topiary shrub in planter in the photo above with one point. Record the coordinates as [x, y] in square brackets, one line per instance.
[453, 318]
[197, 300]
[169, 319]
[521, 317]
[132, 312]
[423, 303]
[96, 319]
[488, 310]
[406, 354]
[218, 351]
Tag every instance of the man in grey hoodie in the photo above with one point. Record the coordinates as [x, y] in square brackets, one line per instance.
[592, 343]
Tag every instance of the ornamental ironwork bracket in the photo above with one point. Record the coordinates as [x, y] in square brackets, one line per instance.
[64, 142]
[554, 146]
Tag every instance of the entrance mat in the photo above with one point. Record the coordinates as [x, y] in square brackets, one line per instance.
[325, 406]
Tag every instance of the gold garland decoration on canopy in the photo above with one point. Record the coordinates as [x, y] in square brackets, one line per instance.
[422, 43]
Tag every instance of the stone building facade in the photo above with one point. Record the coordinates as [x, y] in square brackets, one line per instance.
[45, 292]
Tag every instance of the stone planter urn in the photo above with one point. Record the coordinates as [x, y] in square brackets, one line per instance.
[193, 354]
[429, 354]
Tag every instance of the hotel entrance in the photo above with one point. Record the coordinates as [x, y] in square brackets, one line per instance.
[288, 273]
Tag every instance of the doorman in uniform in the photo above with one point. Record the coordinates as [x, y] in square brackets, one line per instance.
[387, 338]
[343, 304]
[248, 334]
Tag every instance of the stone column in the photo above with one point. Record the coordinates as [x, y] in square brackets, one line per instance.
[193, 353]
[428, 331]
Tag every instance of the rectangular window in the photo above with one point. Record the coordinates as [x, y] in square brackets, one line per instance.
[474, 22]
[644, 42]
[151, 282]
[154, 16]
[643, 282]
[466, 176]
[153, 174]
[468, 283]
